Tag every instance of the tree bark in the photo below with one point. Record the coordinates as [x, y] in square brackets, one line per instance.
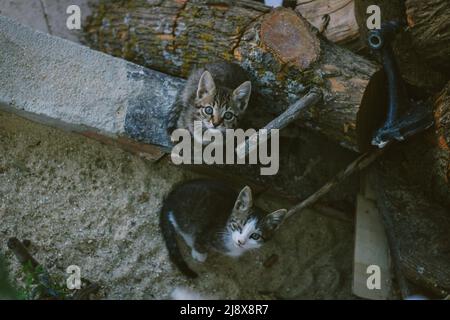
[281, 52]
[427, 158]
[429, 25]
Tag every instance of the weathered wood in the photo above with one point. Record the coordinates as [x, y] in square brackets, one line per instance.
[371, 248]
[341, 28]
[413, 65]
[426, 158]
[385, 218]
[417, 200]
[283, 120]
[420, 227]
[442, 125]
[279, 49]
[429, 25]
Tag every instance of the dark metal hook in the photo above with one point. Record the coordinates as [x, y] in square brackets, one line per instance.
[416, 117]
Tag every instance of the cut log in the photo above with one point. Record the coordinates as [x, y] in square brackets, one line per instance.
[281, 52]
[335, 19]
[429, 25]
[426, 159]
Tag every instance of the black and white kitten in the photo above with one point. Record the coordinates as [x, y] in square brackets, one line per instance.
[216, 94]
[209, 215]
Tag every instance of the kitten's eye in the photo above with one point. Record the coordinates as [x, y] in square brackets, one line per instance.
[209, 110]
[228, 115]
[255, 236]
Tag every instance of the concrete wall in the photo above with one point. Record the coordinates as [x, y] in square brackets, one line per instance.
[61, 83]
[48, 16]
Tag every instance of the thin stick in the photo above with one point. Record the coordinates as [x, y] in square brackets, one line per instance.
[280, 122]
[358, 164]
[25, 258]
[21, 253]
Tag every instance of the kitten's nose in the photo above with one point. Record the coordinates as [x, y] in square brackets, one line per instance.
[215, 121]
[241, 242]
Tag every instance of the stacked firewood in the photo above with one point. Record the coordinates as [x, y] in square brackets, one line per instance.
[322, 45]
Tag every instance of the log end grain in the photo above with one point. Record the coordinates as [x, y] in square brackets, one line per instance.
[289, 37]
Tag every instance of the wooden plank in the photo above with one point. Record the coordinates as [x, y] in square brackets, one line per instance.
[371, 248]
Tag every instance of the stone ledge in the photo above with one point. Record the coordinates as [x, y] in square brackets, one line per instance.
[60, 83]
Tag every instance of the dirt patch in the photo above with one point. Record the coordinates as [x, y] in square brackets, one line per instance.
[96, 206]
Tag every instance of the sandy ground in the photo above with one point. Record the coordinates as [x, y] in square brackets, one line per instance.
[96, 206]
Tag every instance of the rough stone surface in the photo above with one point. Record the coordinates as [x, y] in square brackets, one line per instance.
[81, 202]
[49, 16]
[85, 90]
[56, 12]
[29, 12]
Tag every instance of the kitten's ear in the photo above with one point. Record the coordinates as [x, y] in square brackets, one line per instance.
[244, 201]
[241, 94]
[273, 220]
[206, 86]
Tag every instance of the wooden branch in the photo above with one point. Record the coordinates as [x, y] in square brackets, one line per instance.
[281, 52]
[41, 277]
[363, 161]
[21, 253]
[283, 120]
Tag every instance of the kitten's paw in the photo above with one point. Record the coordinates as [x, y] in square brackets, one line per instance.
[200, 257]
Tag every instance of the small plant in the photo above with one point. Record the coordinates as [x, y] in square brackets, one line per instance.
[39, 285]
[7, 290]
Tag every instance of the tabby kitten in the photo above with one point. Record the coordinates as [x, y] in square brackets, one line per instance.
[217, 95]
[209, 215]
